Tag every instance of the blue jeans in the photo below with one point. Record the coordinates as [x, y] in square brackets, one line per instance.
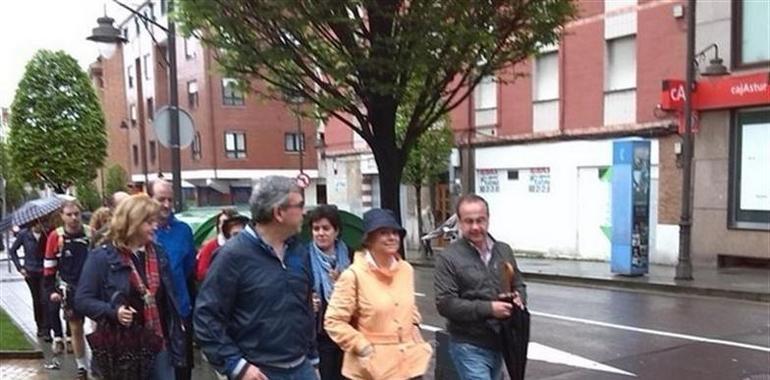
[475, 363]
[304, 371]
[162, 368]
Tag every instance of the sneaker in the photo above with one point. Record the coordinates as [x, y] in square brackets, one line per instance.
[57, 346]
[82, 374]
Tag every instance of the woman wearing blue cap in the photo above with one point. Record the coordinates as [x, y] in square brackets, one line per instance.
[372, 314]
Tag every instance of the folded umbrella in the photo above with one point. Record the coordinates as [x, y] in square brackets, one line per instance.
[515, 331]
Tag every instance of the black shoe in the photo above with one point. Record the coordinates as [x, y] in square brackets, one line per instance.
[82, 374]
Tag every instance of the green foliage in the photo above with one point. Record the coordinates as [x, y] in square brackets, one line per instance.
[57, 134]
[14, 187]
[365, 61]
[429, 156]
[88, 195]
[115, 180]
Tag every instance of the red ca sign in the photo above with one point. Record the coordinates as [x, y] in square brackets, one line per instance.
[718, 93]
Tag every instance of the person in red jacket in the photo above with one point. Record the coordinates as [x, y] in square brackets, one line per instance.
[66, 251]
[207, 249]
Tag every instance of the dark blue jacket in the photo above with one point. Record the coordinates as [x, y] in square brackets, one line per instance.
[254, 309]
[33, 251]
[105, 274]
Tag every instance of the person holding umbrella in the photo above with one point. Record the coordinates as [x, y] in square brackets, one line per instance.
[480, 291]
[32, 240]
[127, 287]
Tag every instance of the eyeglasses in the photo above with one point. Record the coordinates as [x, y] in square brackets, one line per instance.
[299, 205]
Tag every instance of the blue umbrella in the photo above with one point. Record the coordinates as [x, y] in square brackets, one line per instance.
[30, 211]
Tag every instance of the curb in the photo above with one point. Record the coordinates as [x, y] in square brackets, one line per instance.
[561, 279]
[8, 355]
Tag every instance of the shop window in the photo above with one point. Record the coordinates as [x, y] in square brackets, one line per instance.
[749, 198]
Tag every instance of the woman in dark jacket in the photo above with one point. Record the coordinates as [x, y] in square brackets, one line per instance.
[329, 256]
[128, 280]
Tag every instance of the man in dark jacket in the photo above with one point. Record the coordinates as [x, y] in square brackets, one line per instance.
[254, 317]
[469, 293]
[32, 239]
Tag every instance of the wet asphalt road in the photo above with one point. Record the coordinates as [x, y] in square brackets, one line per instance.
[588, 333]
[645, 335]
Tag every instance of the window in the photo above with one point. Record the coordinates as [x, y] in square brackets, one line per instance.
[163, 7]
[196, 147]
[125, 33]
[136, 24]
[132, 114]
[150, 108]
[485, 102]
[546, 77]
[231, 94]
[621, 64]
[135, 154]
[152, 10]
[620, 81]
[189, 53]
[749, 204]
[751, 33]
[153, 152]
[235, 145]
[130, 73]
[147, 67]
[192, 94]
[293, 142]
[513, 175]
[545, 92]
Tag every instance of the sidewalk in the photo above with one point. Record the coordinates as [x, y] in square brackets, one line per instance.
[736, 283]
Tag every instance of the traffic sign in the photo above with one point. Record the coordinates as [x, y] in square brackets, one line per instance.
[303, 180]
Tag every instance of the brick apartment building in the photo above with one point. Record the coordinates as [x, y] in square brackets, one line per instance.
[544, 142]
[238, 137]
[556, 125]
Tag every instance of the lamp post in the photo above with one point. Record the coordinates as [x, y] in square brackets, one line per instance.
[107, 37]
[715, 67]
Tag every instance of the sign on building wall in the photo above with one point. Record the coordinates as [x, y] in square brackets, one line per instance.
[540, 180]
[489, 180]
[755, 158]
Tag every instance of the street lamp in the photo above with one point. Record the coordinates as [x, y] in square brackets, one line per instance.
[106, 34]
[715, 67]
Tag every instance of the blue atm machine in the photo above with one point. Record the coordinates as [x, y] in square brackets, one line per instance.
[630, 207]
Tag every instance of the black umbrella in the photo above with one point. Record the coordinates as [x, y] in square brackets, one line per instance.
[515, 331]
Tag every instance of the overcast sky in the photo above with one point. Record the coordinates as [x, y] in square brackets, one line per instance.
[29, 25]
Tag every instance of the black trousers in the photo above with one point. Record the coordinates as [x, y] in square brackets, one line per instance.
[35, 284]
[185, 373]
[330, 356]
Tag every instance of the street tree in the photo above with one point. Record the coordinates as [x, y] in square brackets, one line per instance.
[57, 134]
[115, 180]
[427, 160]
[364, 61]
[88, 195]
[14, 187]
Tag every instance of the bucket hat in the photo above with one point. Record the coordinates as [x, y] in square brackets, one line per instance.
[378, 218]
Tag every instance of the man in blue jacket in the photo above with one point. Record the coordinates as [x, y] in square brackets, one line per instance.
[176, 238]
[253, 316]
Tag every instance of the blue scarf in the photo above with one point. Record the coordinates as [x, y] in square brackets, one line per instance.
[323, 264]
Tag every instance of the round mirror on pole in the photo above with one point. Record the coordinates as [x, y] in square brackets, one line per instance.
[107, 36]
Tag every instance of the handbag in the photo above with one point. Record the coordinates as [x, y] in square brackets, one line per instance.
[123, 352]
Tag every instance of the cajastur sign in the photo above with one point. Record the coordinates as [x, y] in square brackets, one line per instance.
[718, 93]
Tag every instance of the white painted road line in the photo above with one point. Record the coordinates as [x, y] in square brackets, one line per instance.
[653, 332]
